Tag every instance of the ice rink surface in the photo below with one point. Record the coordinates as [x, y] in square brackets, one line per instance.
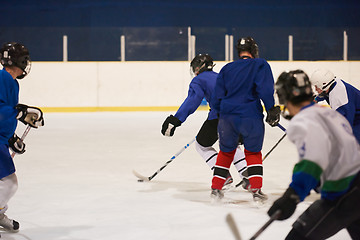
[76, 182]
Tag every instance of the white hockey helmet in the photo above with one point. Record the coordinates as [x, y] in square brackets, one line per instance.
[322, 78]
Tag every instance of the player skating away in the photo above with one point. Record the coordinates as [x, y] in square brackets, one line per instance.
[340, 95]
[16, 62]
[240, 87]
[202, 86]
[329, 161]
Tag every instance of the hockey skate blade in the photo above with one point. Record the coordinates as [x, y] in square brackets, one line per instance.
[141, 177]
[259, 204]
[232, 225]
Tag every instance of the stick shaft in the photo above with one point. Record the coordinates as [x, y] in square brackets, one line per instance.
[23, 137]
[167, 163]
[233, 227]
[272, 218]
[281, 127]
[266, 155]
[171, 159]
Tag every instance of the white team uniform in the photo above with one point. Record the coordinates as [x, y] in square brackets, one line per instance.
[328, 152]
[324, 137]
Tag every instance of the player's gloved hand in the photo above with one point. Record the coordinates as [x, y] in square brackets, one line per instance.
[318, 98]
[286, 204]
[30, 115]
[273, 116]
[169, 125]
[16, 144]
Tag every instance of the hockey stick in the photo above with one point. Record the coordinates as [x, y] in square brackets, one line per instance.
[273, 217]
[281, 127]
[232, 225]
[22, 138]
[147, 179]
[266, 155]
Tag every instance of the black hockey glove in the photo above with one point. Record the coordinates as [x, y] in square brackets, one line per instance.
[273, 116]
[286, 204]
[16, 144]
[169, 125]
[30, 115]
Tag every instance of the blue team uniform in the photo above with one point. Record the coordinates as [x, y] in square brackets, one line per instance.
[201, 86]
[9, 96]
[345, 99]
[239, 88]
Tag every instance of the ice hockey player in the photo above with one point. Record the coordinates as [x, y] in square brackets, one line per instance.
[15, 59]
[328, 161]
[239, 89]
[202, 86]
[340, 95]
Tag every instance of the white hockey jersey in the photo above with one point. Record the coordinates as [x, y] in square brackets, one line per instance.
[329, 155]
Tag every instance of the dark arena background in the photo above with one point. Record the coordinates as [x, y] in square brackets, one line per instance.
[157, 30]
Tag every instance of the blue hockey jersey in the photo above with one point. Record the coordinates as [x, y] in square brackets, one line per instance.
[241, 85]
[9, 97]
[345, 99]
[201, 86]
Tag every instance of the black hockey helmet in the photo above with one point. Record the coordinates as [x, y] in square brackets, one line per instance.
[201, 63]
[294, 87]
[248, 44]
[16, 54]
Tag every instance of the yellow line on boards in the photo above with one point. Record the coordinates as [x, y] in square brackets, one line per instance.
[123, 109]
[114, 109]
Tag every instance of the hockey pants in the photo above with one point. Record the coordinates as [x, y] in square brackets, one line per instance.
[325, 218]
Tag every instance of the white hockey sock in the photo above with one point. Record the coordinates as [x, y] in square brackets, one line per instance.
[239, 161]
[8, 187]
[209, 154]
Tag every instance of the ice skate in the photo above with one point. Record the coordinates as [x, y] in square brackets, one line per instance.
[258, 195]
[9, 224]
[245, 183]
[227, 185]
[216, 196]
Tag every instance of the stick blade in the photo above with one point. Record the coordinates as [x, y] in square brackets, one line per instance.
[141, 177]
[232, 225]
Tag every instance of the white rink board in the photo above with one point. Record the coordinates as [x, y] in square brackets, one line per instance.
[135, 84]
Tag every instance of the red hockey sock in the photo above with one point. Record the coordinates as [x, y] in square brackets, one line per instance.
[221, 168]
[255, 168]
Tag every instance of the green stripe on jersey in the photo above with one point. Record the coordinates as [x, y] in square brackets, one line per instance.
[308, 167]
[337, 185]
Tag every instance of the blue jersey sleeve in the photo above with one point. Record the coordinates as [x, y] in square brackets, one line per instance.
[192, 101]
[302, 183]
[306, 176]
